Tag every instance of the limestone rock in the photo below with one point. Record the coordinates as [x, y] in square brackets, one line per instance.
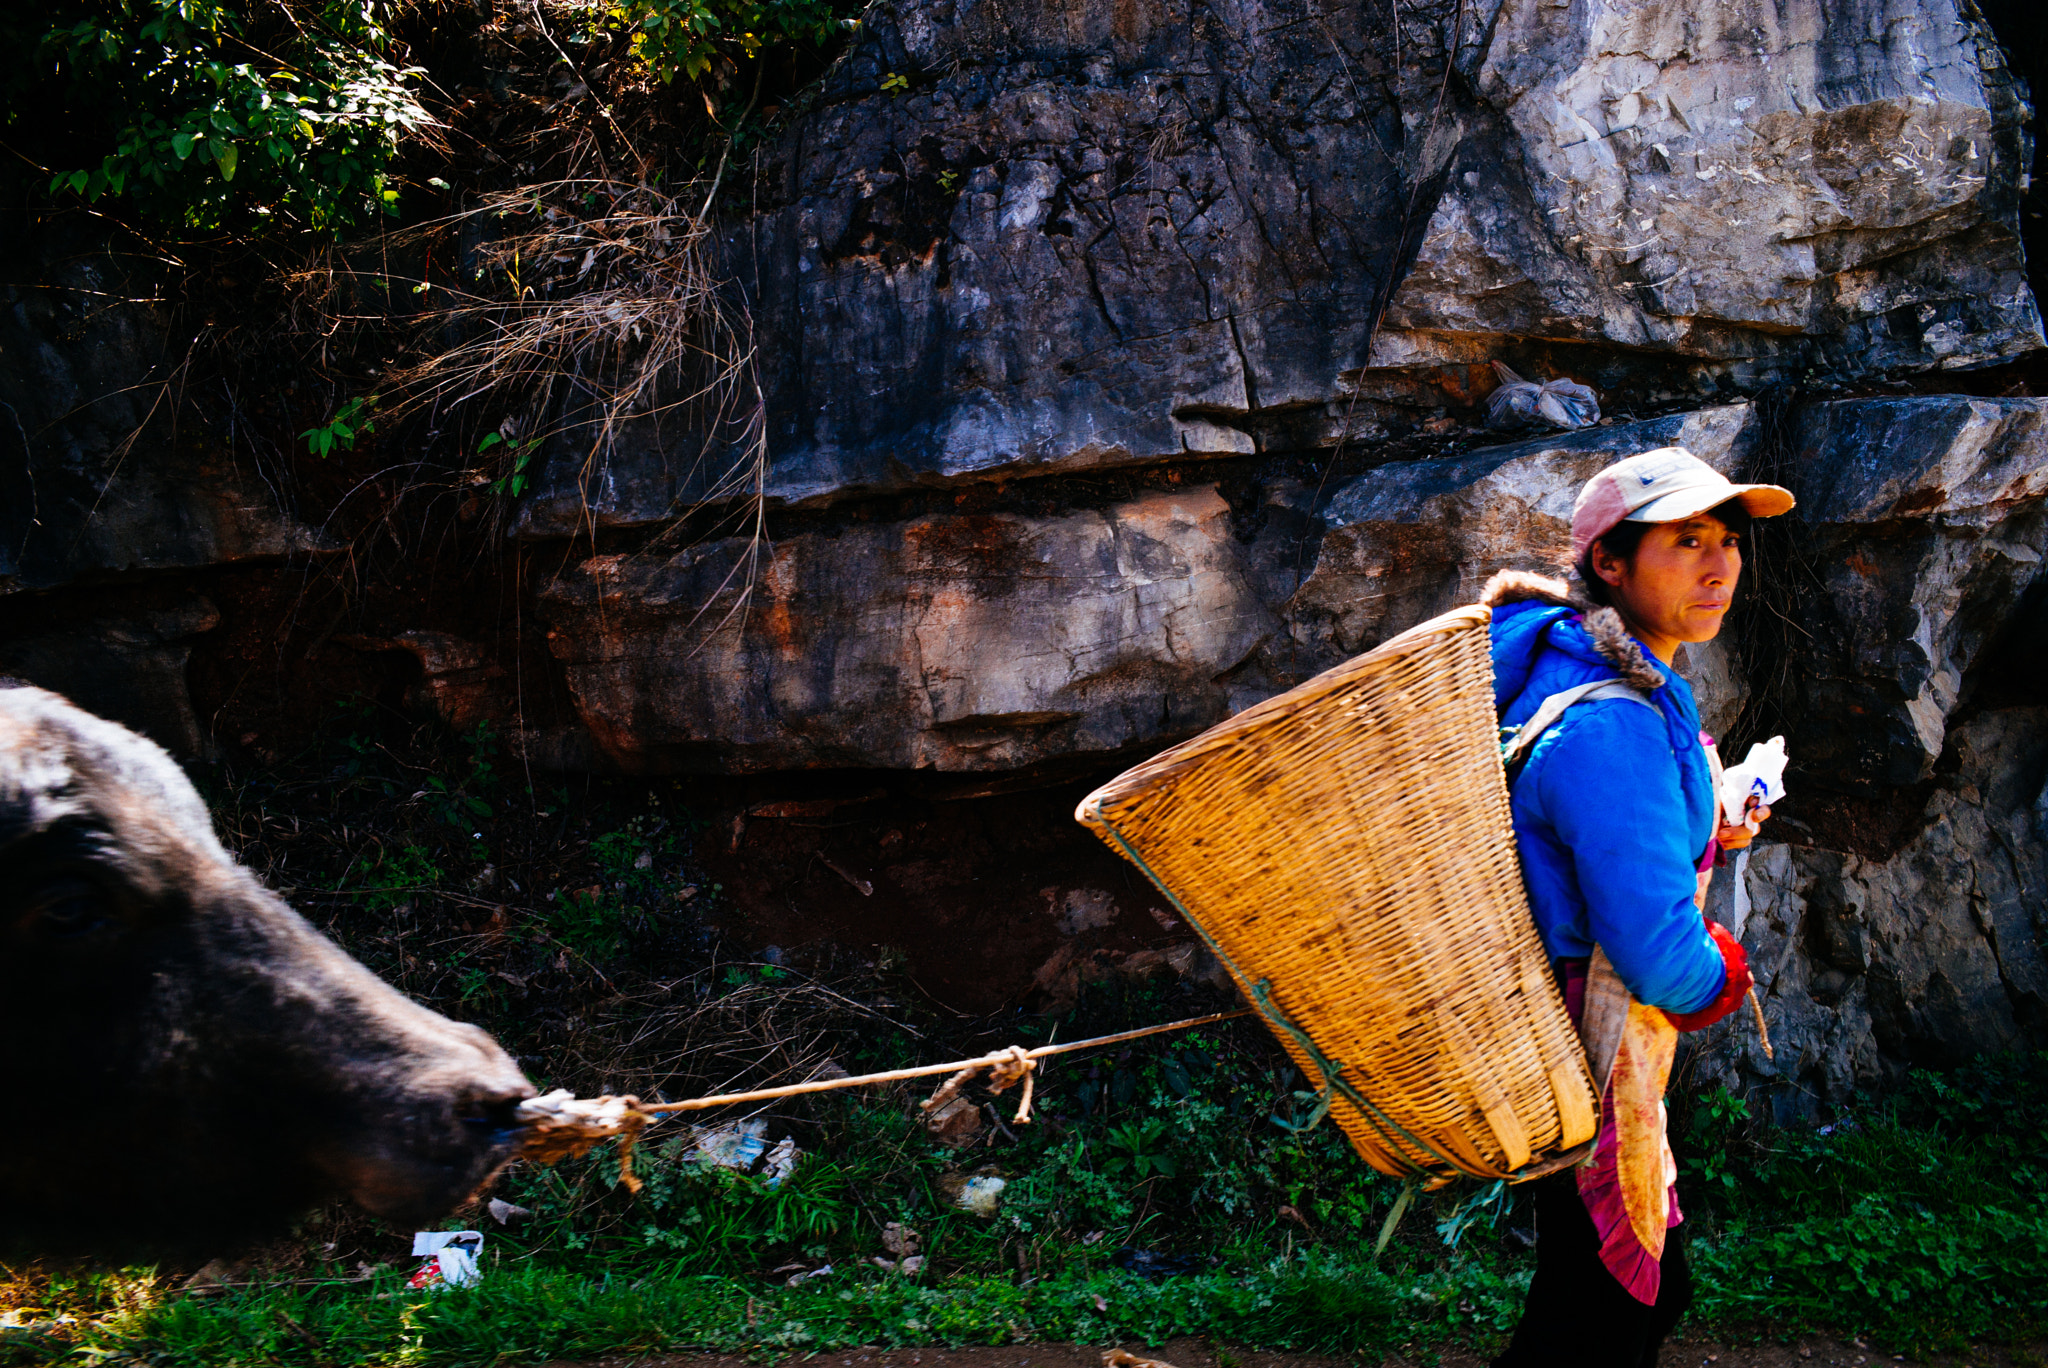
[1927, 957]
[458, 678]
[94, 478]
[126, 666]
[1756, 186]
[1904, 922]
[999, 642]
[1068, 239]
[1413, 539]
[955, 642]
[1928, 531]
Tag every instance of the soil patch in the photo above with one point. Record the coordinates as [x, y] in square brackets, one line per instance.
[986, 904]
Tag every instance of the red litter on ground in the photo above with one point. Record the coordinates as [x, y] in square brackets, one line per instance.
[451, 1258]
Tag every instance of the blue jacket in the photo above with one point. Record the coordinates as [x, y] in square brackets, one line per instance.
[1615, 803]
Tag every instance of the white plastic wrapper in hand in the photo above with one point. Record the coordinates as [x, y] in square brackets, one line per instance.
[1761, 774]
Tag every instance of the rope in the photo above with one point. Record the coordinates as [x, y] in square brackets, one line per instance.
[1015, 1058]
[1332, 1071]
[561, 1126]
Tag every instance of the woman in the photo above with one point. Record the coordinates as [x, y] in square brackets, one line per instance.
[1617, 825]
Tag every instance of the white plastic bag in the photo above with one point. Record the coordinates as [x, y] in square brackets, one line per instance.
[1761, 775]
[451, 1258]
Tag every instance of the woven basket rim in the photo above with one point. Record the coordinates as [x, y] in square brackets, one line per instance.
[1175, 759]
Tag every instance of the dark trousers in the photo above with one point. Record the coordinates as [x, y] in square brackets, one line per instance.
[1577, 1315]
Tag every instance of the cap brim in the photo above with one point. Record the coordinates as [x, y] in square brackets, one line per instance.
[1761, 501]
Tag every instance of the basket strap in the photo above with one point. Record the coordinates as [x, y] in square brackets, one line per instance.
[1515, 748]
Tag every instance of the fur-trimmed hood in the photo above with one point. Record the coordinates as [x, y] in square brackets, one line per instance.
[1613, 804]
[1602, 625]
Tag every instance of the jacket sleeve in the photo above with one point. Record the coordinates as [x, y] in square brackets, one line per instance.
[1609, 788]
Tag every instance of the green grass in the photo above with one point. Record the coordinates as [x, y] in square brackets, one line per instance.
[530, 1314]
[1919, 1221]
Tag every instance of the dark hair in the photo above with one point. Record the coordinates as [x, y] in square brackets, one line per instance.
[1625, 538]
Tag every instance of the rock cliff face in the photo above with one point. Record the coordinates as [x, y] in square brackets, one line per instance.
[1003, 640]
[1760, 187]
[1122, 365]
[1896, 909]
[94, 479]
[1198, 241]
[1907, 918]
[1017, 239]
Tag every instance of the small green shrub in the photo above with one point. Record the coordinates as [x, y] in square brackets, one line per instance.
[1895, 1269]
[589, 921]
[1711, 1157]
[397, 877]
[1138, 1148]
[683, 37]
[1917, 1218]
[349, 422]
[202, 113]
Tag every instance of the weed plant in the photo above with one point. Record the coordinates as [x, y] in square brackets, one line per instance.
[1921, 1219]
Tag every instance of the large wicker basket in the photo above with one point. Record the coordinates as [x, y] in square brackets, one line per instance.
[1346, 850]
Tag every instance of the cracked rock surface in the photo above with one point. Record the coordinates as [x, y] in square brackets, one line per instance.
[1023, 238]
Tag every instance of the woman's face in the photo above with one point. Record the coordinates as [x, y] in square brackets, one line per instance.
[1679, 584]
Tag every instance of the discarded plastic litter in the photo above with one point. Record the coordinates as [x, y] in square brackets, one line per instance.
[981, 1194]
[1522, 403]
[780, 1163]
[451, 1258]
[738, 1146]
[742, 1147]
[504, 1213]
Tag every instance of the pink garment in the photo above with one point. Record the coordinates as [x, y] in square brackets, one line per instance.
[1600, 1182]
[1600, 1189]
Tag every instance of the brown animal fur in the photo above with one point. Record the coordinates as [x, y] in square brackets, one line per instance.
[1604, 625]
[190, 1062]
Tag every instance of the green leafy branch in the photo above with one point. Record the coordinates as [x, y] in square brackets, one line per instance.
[349, 422]
[683, 37]
[208, 109]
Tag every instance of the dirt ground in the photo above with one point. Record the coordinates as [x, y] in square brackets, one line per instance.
[1803, 1351]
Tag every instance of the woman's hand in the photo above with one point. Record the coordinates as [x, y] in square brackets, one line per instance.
[1739, 836]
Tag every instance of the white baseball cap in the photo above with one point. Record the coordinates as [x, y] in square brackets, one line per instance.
[1668, 484]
